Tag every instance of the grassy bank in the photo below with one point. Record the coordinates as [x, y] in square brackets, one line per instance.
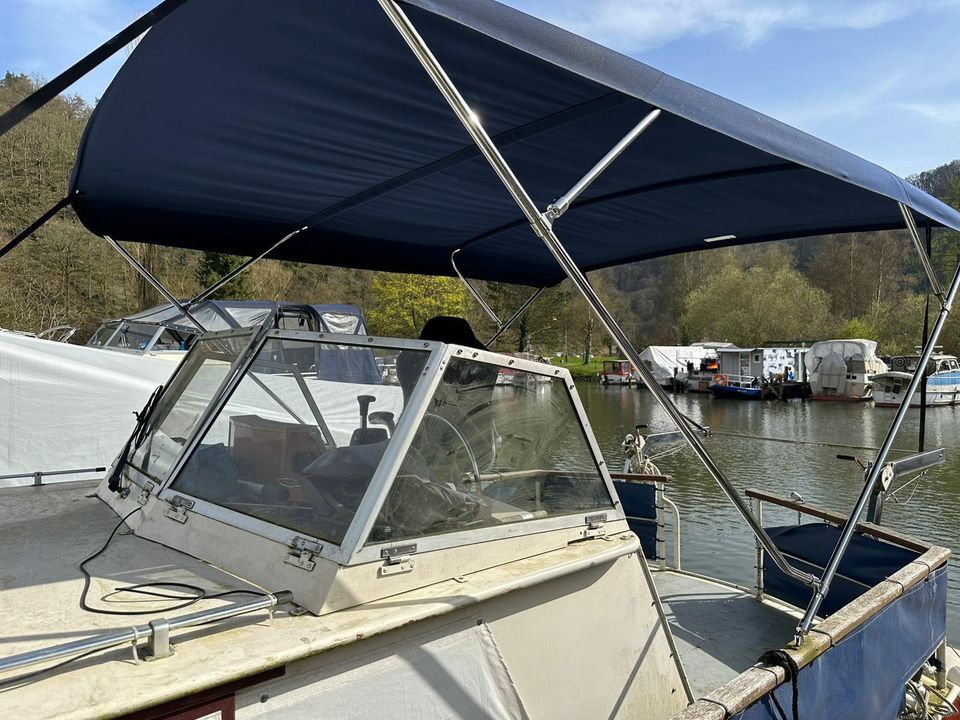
[578, 369]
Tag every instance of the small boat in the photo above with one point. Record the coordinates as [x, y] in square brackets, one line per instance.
[942, 381]
[843, 370]
[617, 372]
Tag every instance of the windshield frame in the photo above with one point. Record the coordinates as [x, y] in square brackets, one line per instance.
[396, 452]
[264, 528]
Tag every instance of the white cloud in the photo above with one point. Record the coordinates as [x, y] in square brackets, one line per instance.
[635, 25]
[943, 112]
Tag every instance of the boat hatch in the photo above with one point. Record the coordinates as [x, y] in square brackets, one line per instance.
[297, 438]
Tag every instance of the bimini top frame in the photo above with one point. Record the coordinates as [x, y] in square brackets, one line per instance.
[725, 174]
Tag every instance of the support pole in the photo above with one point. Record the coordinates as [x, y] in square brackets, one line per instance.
[473, 291]
[921, 252]
[204, 294]
[513, 318]
[35, 225]
[29, 105]
[157, 285]
[544, 230]
[562, 204]
[877, 468]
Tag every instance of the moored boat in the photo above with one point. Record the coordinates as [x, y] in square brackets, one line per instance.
[843, 370]
[616, 372]
[942, 381]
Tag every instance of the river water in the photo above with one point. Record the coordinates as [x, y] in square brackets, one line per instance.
[715, 539]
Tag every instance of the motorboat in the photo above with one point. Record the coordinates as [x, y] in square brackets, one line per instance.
[70, 408]
[271, 543]
[942, 382]
[616, 372]
[843, 370]
[673, 365]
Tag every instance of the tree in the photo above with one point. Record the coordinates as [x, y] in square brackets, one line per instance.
[401, 304]
[213, 266]
[749, 307]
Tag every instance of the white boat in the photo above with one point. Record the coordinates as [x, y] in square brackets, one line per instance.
[942, 384]
[440, 547]
[843, 370]
[69, 408]
[672, 365]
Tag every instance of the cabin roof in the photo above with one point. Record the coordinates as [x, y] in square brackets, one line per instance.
[235, 122]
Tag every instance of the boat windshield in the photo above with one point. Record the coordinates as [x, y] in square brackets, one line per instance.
[300, 437]
[181, 406]
[487, 454]
[103, 333]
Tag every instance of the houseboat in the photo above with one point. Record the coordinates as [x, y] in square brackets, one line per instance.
[843, 370]
[942, 381]
[759, 373]
[270, 543]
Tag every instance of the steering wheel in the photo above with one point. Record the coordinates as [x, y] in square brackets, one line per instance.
[463, 441]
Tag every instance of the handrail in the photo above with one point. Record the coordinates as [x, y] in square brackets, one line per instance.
[875, 531]
[38, 475]
[143, 632]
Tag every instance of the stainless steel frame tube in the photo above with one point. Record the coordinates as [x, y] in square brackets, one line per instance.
[513, 318]
[873, 476]
[157, 285]
[544, 230]
[473, 291]
[921, 251]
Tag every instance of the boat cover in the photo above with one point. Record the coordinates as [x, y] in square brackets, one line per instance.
[669, 361]
[236, 121]
[69, 407]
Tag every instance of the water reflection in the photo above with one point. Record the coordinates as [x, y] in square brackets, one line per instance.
[715, 539]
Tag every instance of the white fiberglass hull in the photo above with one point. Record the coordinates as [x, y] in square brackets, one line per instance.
[943, 388]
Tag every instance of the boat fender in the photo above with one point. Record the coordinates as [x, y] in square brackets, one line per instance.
[720, 379]
[783, 659]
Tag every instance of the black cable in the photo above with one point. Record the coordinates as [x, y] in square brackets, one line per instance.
[198, 593]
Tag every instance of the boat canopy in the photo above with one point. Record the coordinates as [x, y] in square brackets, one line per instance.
[235, 122]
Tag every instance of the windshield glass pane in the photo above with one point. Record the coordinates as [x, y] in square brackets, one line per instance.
[488, 454]
[133, 336]
[300, 438]
[103, 334]
[190, 392]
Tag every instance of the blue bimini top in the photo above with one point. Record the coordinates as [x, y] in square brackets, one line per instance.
[236, 121]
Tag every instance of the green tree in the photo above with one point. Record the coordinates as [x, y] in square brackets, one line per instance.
[213, 266]
[401, 303]
[749, 307]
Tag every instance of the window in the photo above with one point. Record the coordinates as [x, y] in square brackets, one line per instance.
[487, 455]
[301, 436]
[103, 333]
[133, 336]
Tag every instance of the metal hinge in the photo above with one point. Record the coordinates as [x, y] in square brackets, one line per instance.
[595, 525]
[178, 508]
[145, 493]
[303, 552]
[398, 559]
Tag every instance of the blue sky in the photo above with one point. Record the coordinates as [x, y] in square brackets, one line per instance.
[880, 78]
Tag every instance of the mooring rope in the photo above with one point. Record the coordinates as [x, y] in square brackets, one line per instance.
[818, 443]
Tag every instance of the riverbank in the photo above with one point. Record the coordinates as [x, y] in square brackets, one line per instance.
[580, 370]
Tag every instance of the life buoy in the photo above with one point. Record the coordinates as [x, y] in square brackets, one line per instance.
[720, 379]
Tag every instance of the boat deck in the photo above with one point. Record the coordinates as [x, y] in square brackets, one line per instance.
[720, 630]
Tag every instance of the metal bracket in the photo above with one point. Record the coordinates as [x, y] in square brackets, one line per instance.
[595, 525]
[398, 560]
[304, 550]
[145, 494]
[179, 506]
[158, 644]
